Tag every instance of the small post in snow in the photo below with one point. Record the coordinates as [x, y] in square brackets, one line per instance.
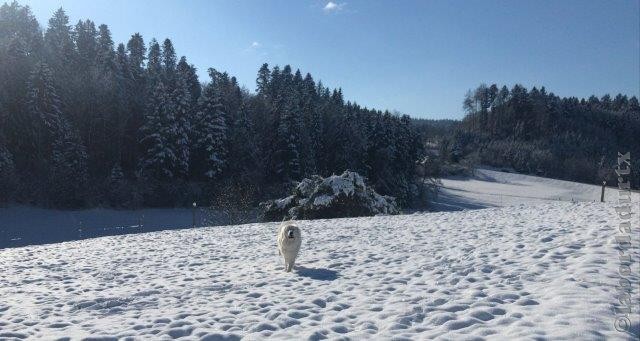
[604, 184]
[193, 212]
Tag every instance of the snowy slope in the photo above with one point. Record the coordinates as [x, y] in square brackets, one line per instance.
[24, 225]
[547, 271]
[21, 225]
[490, 188]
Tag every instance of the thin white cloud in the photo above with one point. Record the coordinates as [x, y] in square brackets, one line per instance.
[256, 48]
[333, 7]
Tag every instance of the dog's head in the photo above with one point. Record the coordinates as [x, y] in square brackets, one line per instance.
[291, 232]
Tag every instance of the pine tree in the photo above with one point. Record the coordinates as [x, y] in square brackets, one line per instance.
[137, 51]
[87, 45]
[154, 66]
[286, 154]
[44, 103]
[68, 176]
[211, 133]
[188, 74]
[18, 22]
[312, 122]
[58, 42]
[605, 102]
[15, 68]
[118, 192]
[262, 81]
[61, 56]
[39, 124]
[105, 56]
[65, 160]
[7, 173]
[233, 98]
[124, 88]
[160, 134]
[183, 111]
[243, 148]
[169, 63]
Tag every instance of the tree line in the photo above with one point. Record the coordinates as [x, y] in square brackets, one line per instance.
[85, 122]
[536, 132]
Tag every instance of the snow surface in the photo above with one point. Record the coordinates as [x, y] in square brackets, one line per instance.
[490, 188]
[543, 271]
[23, 225]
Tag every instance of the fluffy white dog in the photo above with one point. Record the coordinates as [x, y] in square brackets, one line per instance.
[289, 241]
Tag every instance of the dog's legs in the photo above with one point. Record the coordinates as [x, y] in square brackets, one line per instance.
[287, 267]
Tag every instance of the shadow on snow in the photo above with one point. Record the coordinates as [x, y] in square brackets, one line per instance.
[317, 274]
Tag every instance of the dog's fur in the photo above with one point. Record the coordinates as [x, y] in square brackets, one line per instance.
[289, 241]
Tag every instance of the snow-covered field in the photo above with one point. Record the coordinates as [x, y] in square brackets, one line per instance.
[545, 271]
[490, 188]
[533, 265]
[23, 225]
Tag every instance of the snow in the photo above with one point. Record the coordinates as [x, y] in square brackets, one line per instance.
[335, 196]
[323, 200]
[284, 202]
[22, 225]
[490, 188]
[517, 272]
[539, 262]
[344, 184]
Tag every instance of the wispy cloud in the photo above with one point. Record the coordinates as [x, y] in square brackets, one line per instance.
[256, 48]
[333, 7]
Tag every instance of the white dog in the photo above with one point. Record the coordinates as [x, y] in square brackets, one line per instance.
[289, 241]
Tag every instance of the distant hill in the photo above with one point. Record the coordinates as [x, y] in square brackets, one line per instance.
[536, 132]
[435, 128]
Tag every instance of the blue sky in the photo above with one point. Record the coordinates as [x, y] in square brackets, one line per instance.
[416, 57]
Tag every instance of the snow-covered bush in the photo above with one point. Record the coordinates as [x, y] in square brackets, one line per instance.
[336, 196]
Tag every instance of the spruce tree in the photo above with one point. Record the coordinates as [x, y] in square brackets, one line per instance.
[18, 21]
[137, 100]
[169, 63]
[262, 81]
[58, 42]
[188, 74]
[7, 173]
[105, 56]
[183, 111]
[211, 136]
[86, 43]
[137, 51]
[154, 66]
[68, 175]
[286, 154]
[44, 105]
[118, 191]
[58, 151]
[15, 68]
[243, 147]
[159, 134]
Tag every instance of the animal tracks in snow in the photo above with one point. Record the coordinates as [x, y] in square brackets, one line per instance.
[543, 272]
